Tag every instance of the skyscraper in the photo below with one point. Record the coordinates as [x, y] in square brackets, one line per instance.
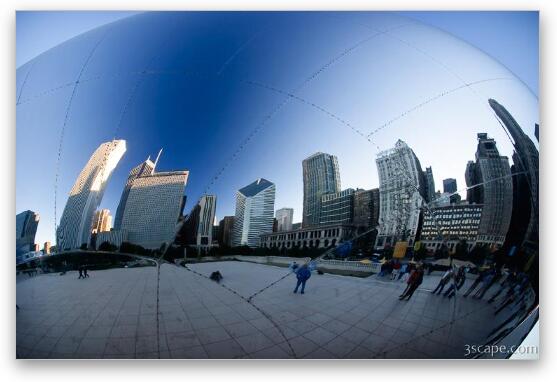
[449, 185]
[198, 226]
[337, 208]
[102, 221]
[26, 224]
[154, 205]
[366, 209]
[321, 176]
[491, 176]
[255, 205]
[86, 195]
[429, 191]
[401, 189]
[226, 226]
[284, 217]
[143, 169]
[526, 161]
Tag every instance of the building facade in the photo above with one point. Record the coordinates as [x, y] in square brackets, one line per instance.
[26, 224]
[114, 237]
[366, 209]
[154, 205]
[429, 192]
[102, 221]
[318, 237]
[450, 187]
[226, 226]
[255, 207]
[337, 208]
[450, 224]
[143, 169]
[526, 162]
[197, 229]
[86, 194]
[491, 177]
[284, 217]
[401, 188]
[321, 176]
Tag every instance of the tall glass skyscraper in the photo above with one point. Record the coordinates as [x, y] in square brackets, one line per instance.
[321, 176]
[255, 207]
[86, 195]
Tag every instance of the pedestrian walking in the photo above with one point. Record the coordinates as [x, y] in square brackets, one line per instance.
[444, 280]
[416, 280]
[302, 274]
[85, 274]
[460, 277]
[80, 269]
[476, 282]
[486, 284]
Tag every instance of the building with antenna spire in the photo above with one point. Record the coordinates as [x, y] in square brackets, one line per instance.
[143, 169]
[153, 204]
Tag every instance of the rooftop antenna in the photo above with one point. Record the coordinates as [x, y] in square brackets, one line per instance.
[157, 160]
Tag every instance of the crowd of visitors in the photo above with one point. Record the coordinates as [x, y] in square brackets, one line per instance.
[512, 284]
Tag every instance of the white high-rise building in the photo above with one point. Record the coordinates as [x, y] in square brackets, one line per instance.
[255, 206]
[153, 206]
[284, 218]
[86, 195]
[401, 186]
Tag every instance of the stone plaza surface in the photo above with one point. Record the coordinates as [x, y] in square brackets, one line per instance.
[115, 314]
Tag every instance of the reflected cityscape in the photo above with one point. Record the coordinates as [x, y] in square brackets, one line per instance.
[400, 266]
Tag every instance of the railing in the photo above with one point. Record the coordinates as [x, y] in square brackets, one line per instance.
[356, 266]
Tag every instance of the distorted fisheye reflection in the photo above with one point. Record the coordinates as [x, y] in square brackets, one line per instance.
[352, 185]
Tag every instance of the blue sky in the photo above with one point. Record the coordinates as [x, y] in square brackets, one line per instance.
[214, 96]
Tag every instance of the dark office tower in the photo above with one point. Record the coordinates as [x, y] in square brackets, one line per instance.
[225, 231]
[526, 164]
[321, 176]
[26, 224]
[449, 185]
[474, 195]
[491, 177]
[429, 192]
[197, 229]
[366, 209]
[143, 169]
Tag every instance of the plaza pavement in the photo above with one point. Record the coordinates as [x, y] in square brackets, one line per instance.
[113, 314]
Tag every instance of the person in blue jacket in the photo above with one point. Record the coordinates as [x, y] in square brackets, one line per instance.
[303, 274]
